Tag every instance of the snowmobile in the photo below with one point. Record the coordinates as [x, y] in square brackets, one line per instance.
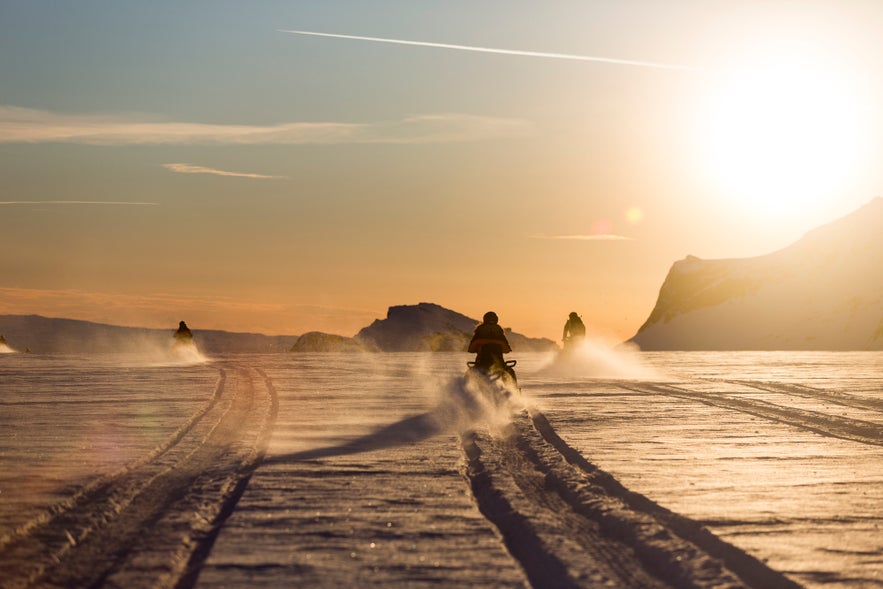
[183, 337]
[494, 377]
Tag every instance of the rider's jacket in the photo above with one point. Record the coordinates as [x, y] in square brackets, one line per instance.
[574, 328]
[489, 335]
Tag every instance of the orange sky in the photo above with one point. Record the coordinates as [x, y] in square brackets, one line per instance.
[212, 168]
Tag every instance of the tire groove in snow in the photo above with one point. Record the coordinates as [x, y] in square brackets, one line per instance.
[750, 570]
[569, 524]
[77, 499]
[148, 523]
[838, 398]
[855, 430]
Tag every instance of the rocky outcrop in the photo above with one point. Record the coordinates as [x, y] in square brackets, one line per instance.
[411, 328]
[427, 327]
[316, 341]
[824, 292]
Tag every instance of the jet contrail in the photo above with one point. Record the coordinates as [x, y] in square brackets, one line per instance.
[500, 51]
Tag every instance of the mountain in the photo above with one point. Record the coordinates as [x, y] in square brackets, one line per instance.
[316, 341]
[430, 327]
[64, 336]
[824, 292]
[422, 327]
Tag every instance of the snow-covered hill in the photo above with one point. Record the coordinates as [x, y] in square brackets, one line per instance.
[824, 292]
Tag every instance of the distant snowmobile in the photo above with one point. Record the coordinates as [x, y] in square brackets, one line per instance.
[184, 350]
[183, 337]
[574, 333]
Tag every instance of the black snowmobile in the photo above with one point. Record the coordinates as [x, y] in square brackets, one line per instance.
[494, 376]
[183, 337]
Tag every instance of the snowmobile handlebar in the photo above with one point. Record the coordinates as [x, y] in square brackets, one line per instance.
[509, 363]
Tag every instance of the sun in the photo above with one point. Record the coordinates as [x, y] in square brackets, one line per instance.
[784, 130]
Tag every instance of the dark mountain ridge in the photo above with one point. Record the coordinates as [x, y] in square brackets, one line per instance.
[47, 335]
[407, 328]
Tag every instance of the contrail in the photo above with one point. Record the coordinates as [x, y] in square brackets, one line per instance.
[501, 51]
[183, 168]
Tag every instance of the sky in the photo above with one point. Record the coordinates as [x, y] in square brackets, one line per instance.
[211, 162]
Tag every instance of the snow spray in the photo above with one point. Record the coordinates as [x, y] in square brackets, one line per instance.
[155, 353]
[462, 404]
[597, 359]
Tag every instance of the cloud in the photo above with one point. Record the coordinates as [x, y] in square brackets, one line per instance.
[193, 169]
[521, 53]
[78, 202]
[591, 237]
[24, 125]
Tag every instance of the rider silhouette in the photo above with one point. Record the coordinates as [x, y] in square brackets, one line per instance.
[574, 330]
[183, 335]
[489, 343]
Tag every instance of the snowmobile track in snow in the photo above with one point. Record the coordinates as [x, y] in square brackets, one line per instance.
[799, 390]
[569, 524]
[152, 522]
[826, 424]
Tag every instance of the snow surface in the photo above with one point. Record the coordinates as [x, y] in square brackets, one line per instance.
[382, 470]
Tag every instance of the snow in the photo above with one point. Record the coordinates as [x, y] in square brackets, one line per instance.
[380, 470]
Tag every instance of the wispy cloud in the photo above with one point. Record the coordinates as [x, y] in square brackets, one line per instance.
[610, 60]
[24, 125]
[78, 202]
[590, 237]
[193, 169]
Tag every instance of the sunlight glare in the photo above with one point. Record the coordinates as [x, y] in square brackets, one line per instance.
[783, 131]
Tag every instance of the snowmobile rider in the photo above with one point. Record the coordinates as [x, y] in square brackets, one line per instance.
[489, 343]
[183, 335]
[574, 330]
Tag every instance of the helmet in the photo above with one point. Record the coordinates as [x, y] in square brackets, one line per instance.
[573, 315]
[490, 317]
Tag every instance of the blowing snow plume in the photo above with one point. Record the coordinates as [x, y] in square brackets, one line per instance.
[186, 354]
[148, 351]
[184, 350]
[4, 347]
[181, 350]
[597, 359]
